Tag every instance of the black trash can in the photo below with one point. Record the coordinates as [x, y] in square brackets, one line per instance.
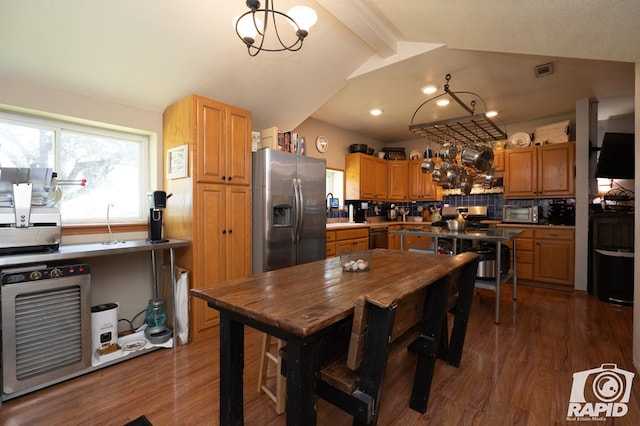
[614, 276]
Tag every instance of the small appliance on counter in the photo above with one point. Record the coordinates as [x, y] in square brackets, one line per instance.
[360, 211]
[29, 220]
[521, 214]
[157, 200]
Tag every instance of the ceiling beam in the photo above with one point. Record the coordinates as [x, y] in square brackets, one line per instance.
[371, 27]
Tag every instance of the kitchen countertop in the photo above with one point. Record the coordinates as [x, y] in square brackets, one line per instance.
[378, 224]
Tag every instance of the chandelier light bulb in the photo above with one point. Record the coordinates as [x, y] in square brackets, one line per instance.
[304, 16]
[428, 90]
[246, 27]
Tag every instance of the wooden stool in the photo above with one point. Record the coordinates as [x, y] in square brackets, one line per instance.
[280, 394]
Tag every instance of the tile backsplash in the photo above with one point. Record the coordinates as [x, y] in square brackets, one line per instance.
[493, 202]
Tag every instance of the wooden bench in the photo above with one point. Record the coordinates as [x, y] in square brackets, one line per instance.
[352, 376]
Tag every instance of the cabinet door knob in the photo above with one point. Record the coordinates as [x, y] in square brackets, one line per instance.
[229, 178]
[224, 231]
[230, 231]
[224, 178]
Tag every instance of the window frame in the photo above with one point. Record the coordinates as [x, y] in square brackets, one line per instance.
[59, 125]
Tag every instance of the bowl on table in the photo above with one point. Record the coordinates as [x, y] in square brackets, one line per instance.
[357, 261]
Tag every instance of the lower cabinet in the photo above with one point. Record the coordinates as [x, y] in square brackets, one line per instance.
[554, 255]
[546, 255]
[225, 238]
[342, 240]
[410, 241]
[524, 254]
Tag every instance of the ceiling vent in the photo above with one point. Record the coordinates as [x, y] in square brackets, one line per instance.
[544, 69]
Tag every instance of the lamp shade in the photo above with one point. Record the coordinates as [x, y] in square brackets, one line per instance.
[616, 160]
[304, 16]
[246, 27]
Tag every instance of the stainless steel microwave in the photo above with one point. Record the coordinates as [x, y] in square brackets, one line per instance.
[521, 214]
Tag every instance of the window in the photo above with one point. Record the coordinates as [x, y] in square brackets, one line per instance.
[114, 164]
[335, 185]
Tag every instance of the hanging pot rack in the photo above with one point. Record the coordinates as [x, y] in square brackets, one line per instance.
[470, 129]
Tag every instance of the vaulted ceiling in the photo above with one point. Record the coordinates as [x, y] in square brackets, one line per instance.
[361, 54]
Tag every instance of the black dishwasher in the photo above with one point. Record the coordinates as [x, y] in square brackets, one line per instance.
[379, 237]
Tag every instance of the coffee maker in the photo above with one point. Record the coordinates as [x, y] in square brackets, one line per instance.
[360, 212]
[157, 200]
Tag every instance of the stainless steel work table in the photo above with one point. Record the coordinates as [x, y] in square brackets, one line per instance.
[497, 236]
[85, 250]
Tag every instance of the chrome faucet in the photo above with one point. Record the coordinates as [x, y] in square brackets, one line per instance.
[328, 200]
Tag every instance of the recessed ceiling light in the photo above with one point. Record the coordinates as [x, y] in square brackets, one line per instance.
[491, 114]
[375, 112]
[442, 102]
[427, 90]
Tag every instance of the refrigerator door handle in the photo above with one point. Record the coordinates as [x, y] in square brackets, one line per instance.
[300, 210]
[296, 209]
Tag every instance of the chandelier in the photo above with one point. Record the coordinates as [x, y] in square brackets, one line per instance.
[255, 23]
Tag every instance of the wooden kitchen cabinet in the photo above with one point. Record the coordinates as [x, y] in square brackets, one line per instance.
[545, 254]
[365, 177]
[410, 241]
[211, 206]
[421, 186]
[393, 241]
[341, 240]
[554, 256]
[524, 254]
[398, 179]
[330, 242]
[227, 237]
[545, 171]
[498, 160]
[221, 152]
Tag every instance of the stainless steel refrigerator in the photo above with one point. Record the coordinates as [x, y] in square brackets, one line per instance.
[289, 210]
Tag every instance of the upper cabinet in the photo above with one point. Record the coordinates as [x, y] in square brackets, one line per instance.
[544, 171]
[222, 154]
[498, 160]
[373, 179]
[398, 180]
[421, 186]
[366, 177]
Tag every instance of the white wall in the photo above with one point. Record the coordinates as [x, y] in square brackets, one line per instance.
[584, 117]
[339, 141]
[22, 97]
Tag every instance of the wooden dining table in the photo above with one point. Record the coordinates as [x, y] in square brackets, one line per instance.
[301, 305]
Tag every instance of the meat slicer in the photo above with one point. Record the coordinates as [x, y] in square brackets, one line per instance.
[29, 220]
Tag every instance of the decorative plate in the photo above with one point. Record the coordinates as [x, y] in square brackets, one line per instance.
[134, 345]
[415, 155]
[520, 140]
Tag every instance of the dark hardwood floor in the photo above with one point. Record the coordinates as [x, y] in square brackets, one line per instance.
[517, 372]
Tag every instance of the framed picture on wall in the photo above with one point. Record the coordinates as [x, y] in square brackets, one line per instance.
[177, 162]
